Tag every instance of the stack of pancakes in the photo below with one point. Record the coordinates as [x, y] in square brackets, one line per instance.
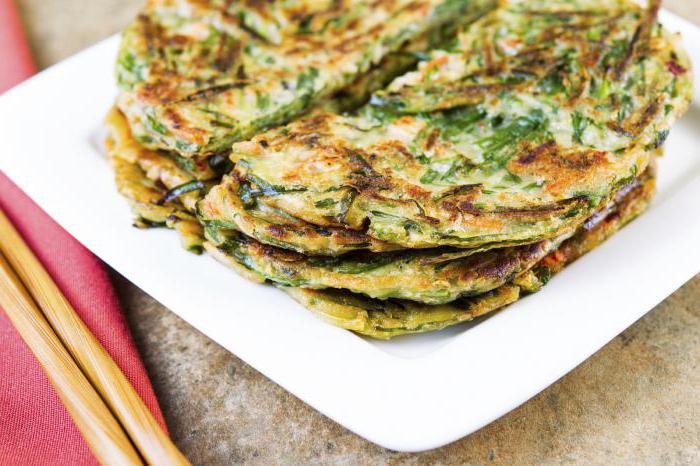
[395, 166]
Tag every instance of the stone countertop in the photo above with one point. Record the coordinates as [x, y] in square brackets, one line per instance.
[635, 401]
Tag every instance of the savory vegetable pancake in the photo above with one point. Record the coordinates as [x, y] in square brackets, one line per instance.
[431, 276]
[197, 76]
[225, 207]
[146, 200]
[439, 159]
[517, 133]
[157, 187]
[348, 98]
[181, 175]
[386, 319]
[389, 318]
[159, 192]
[159, 167]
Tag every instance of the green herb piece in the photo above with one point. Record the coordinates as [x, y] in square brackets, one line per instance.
[325, 203]
[180, 190]
[579, 122]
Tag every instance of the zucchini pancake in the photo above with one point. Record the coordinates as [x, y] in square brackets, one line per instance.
[394, 166]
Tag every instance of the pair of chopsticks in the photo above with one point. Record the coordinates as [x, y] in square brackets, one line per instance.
[110, 415]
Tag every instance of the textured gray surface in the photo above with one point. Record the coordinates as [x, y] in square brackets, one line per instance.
[635, 401]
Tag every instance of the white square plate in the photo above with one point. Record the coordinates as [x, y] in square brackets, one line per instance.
[410, 394]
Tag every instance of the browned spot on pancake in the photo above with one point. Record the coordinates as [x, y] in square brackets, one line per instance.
[353, 24]
[525, 212]
[633, 129]
[531, 155]
[363, 176]
[427, 219]
[675, 68]
[172, 117]
[591, 57]
[452, 210]
[500, 267]
[298, 50]
[176, 40]
[469, 207]
[482, 222]
[292, 177]
[622, 64]
[273, 252]
[262, 7]
[538, 211]
[619, 129]
[393, 147]
[240, 175]
[351, 43]
[647, 115]
[507, 262]
[489, 62]
[277, 231]
[416, 192]
[185, 132]
[348, 236]
[309, 140]
[581, 161]
[558, 167]
[317, 123]
[226, 56]
[411, 6]
[640, 37]
[152, 32]
[208, 93]
[161, 91]
[432, 139]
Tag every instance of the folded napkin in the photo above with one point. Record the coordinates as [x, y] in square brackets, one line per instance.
[35, 428]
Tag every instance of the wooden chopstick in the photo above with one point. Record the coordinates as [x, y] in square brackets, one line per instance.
[150, 440]
[105, 437]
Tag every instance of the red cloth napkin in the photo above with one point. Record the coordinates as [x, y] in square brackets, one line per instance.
[16, 62]
[35, 428]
